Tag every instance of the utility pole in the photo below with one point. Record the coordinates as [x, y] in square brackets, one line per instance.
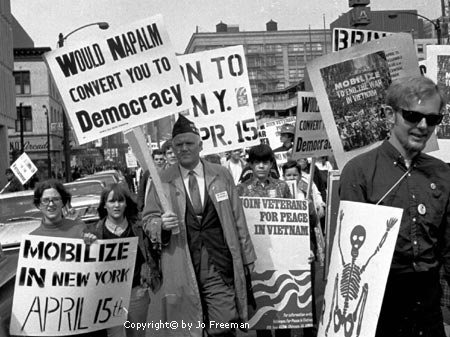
[22, 143]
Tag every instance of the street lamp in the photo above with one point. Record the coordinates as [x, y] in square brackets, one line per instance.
[49, 160]
[66, 145]
[437, 24]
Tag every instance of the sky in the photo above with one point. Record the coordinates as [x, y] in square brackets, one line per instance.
[45, 19]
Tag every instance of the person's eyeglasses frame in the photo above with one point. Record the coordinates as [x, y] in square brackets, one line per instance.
[47, 201]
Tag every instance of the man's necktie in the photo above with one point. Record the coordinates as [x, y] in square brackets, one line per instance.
[195, 194]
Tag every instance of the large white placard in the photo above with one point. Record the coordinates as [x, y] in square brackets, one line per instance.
[351, 86]
[120, 79]
[360, 261]
[279, 229]
[222, 104]
[64, 287]
[311, 138]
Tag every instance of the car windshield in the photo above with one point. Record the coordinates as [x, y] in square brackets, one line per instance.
[84, 188]
[105, 179]
[18, 208]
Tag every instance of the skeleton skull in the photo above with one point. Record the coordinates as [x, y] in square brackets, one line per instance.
[357, 238]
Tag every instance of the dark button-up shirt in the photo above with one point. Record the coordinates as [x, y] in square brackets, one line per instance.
[423, 194]
[271, 188]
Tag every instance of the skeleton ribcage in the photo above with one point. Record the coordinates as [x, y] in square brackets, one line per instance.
[350, 281]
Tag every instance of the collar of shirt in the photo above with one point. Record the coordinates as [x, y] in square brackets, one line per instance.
[397, 158]
[199, 175]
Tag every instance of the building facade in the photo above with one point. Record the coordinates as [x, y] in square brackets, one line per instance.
[276, 59]
[7, 96]
[38, 113]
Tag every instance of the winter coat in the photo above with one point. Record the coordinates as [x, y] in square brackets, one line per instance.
[180, 295]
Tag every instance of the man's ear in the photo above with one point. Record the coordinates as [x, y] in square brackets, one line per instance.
[389, 114]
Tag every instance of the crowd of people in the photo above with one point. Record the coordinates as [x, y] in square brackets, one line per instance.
[199, 255]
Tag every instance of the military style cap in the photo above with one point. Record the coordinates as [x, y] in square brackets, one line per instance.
[184, 125]
[287, 128]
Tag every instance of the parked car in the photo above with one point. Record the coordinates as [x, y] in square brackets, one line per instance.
[85, 199]
[107, 177]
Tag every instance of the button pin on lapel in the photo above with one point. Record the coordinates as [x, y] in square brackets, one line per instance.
[421, 209]
[433, 186]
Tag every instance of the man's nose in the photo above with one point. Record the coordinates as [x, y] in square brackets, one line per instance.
[422, 124]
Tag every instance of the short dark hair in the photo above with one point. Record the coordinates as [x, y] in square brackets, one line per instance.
[47, 184]
[156, 152]
[8, 170]
[166, 146]
[120, 193]
[261, 152]
[291, 164]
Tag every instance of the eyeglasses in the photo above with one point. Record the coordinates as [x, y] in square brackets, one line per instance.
[415, 117]
[47, 201]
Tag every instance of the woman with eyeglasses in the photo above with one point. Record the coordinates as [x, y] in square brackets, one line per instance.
[51, 197]
[119, 218]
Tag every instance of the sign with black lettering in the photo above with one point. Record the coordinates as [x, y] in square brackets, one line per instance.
[23, 168]
[310, 139]
[64, 287]
[270, 132]
[351, 86]
[119, 79]
[222, 104]
[279, 229]
[344, 38]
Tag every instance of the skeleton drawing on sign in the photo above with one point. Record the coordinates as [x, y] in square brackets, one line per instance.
[350, 282]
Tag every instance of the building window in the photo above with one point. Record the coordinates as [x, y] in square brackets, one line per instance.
[254, 48]
[27, 119]
[420, 48]
[315, 46]
[22, 79]
[296, 47]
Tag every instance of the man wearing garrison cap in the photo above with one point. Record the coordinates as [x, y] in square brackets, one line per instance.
[205, 240]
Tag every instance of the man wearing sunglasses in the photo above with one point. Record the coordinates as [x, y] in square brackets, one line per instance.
[398, 174]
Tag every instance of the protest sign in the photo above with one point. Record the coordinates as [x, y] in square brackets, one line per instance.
[64, 287]
[131, 160]
[279, 229]
[222, 104]
[23, 168]
[360, 261]
[119, 79]
[344, 38]
[437, 69]
[310, 139]
[351, 86]
[331, 214]
[269, 132]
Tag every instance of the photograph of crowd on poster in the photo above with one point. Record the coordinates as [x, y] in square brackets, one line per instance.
[350, 88]
[359, 266]
[356, 91]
